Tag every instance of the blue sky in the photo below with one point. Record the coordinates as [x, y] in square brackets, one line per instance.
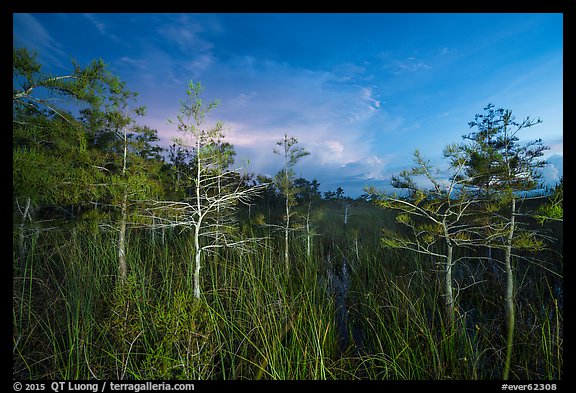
[361, 92]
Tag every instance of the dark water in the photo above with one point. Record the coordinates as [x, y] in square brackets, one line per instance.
[349, 335]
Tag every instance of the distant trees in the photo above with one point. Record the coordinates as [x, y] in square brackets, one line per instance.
[284, 180]
[307, 192]
[338, 195]
[332, 195]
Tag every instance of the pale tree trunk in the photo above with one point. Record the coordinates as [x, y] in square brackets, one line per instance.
[197, 261]
[286, 258]
[218, 211]
[448, 293]
[449, 300]
[122, 267]
[218, 221]
[308, 240]
[198, 224]
[509, 299]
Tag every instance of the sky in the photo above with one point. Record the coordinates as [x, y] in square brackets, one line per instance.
[360, 92]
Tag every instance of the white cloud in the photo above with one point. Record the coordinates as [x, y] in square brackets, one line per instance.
[401, 66]
[32, 35]
[187, 35]
[328, 152]
[335, 147]
[550, 174]
[101, 27]
[375, 168]
[367, 95]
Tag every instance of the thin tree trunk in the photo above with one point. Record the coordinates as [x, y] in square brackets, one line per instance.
[286, 258]
[510, 312]
[308, 245]
[448, 293]
[449, 301]
[122, 268]
[197, 260]
[198, 224]
[218, 212]
[287, 191]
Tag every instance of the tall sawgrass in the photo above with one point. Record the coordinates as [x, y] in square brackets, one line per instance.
[73, 320]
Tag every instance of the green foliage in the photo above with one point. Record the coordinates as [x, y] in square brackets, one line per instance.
[496, 162]
[63, 159]
[124, 325]
[553, 209]
[285, 178]
[183, 345]
[389, 242]
[528, 241]
[84, 85]
[404, 218]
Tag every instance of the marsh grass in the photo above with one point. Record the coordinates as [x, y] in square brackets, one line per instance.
[72, 320]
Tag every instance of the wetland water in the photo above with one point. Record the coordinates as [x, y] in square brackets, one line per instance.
[349, 335]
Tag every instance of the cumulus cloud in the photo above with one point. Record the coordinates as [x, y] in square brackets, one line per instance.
[551, 174]
[554, 170]
[334, 148]
[375, 168]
